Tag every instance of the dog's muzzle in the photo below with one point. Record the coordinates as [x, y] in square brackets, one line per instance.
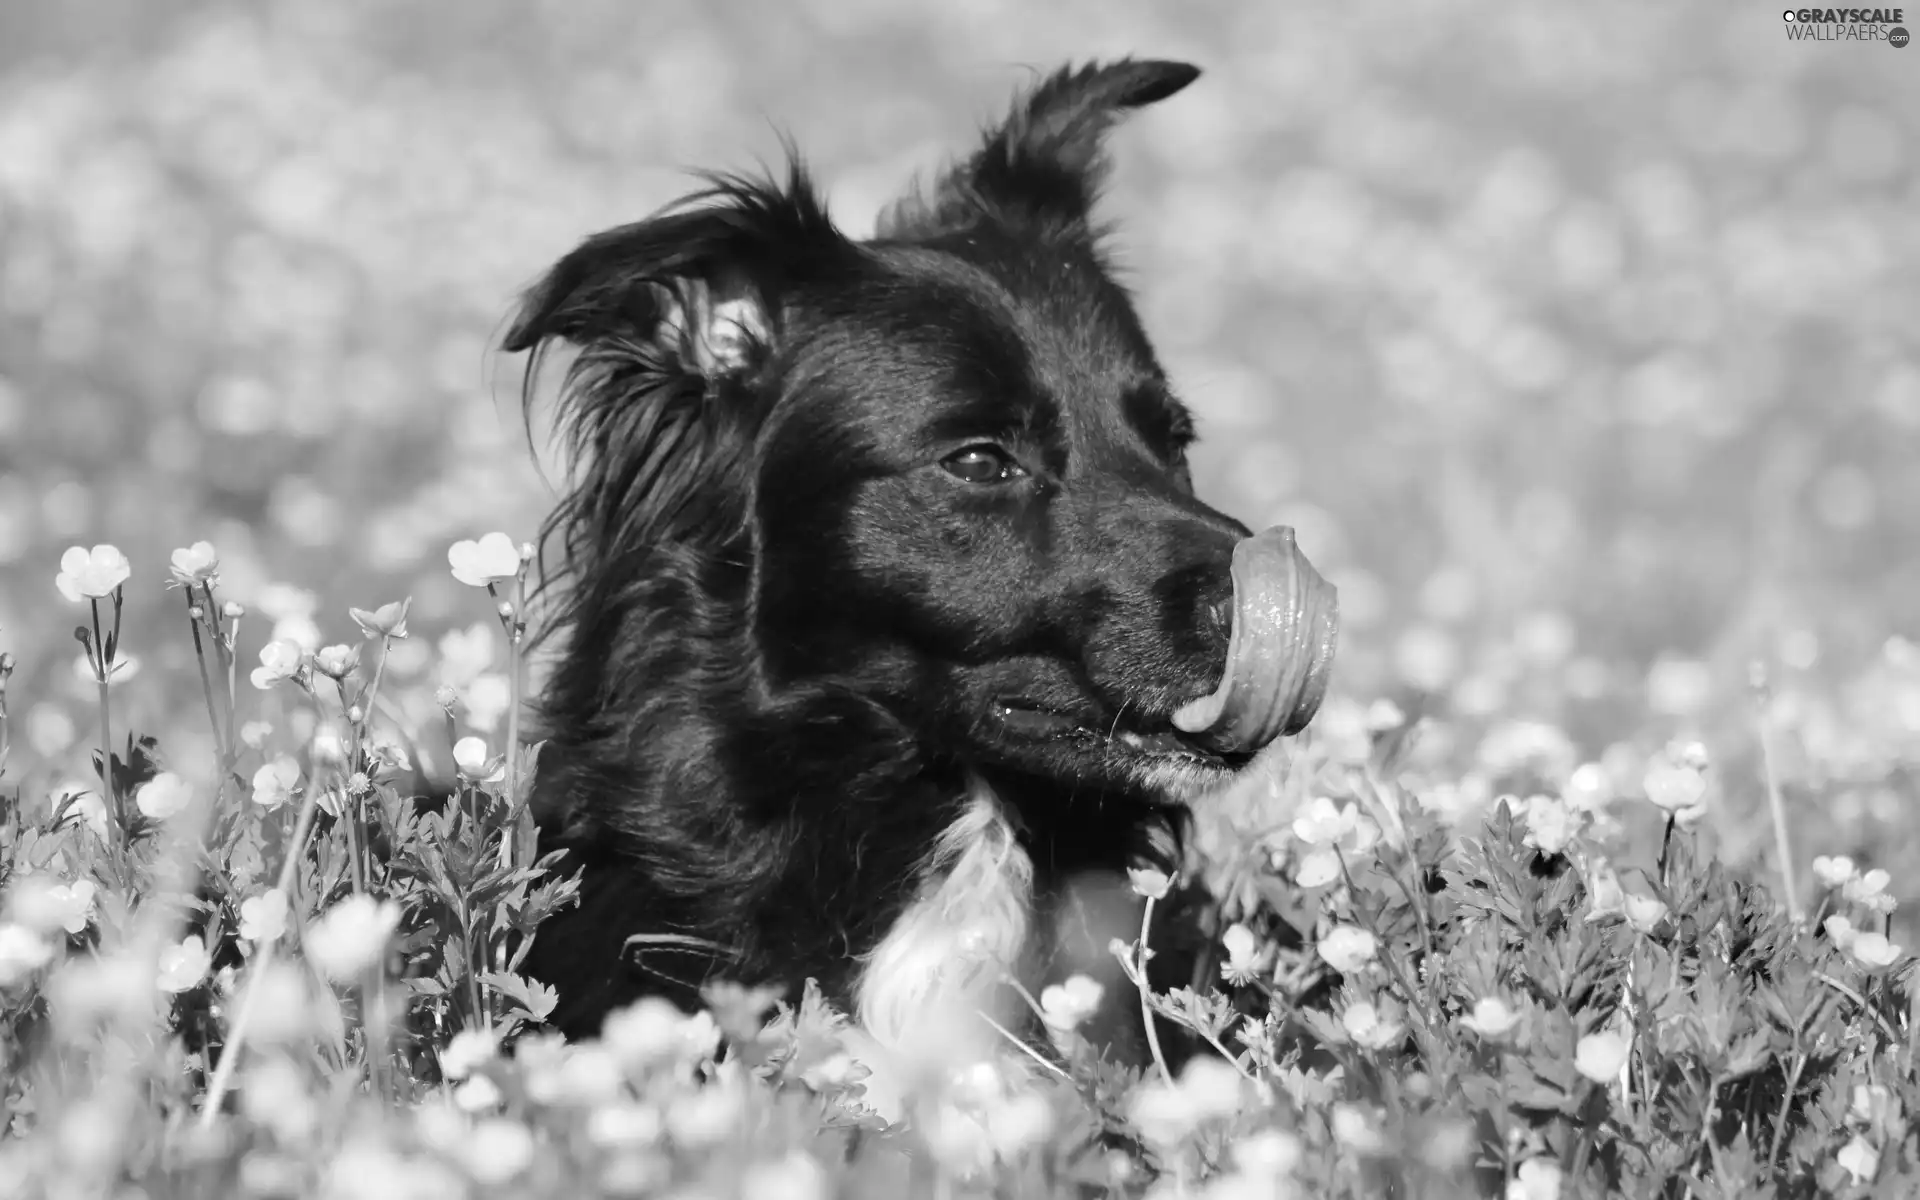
[1285, 623]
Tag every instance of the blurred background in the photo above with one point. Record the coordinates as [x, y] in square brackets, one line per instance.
[1577, 341]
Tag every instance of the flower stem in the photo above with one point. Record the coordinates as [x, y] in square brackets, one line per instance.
[1783, 844]
[514, 626]
[237, 1034]
[102, 668]
[1146, 996]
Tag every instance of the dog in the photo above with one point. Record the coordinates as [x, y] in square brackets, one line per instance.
[879, 581]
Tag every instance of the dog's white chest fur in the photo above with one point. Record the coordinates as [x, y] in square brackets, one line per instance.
[933, 979]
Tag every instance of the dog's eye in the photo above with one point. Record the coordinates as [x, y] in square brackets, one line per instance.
[982, 464]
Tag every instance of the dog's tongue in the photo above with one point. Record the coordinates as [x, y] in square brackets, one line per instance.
[1280, 653]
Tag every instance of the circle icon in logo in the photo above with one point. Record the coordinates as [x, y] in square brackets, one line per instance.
[1787, 16]
[1898, 36]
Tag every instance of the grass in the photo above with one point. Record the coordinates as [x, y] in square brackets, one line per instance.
[1424, 987]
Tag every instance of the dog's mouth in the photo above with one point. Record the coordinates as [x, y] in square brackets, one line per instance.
[1125, 736]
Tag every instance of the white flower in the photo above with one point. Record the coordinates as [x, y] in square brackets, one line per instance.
[466, 1050]
[183, 964]
[1869, 891]
[1644, 913]
[1874, 1106]
[1873, 951]
[465, 653]
[1369, 1027]
[1676, 781]
[44, 905]
[263, 918]
[701, 1118]
[1356, 1129]
[1065, 1006]
[1859, 1160]
[796, 1177]
[1599, 1056]
[1491, 1018]
[22, 952]
[1535, 1179]
[163, 796]
[492, 558]
[276, 782]
[476, 1095]
[351, 937]
[1269, 1153]
[497, 1150]
[1840, 932]
[1605, 896]
[196, 564]
[336, 661]
[1149, 883]
[653, 1031]
[470, 756]
[1317, 868]
[1347, 948]
[1323, 822]
[1246, 957]
[1551, 824]
[254, 734]
[91, 574]
[1833, 872]
[624, 1123]
[278, 660]
[1208, 1089]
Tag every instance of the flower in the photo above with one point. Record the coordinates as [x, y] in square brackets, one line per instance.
[1246, 957]
[1065, 1006]
[1605, 896]
[465, 653]
[183, 964]
[497, 1150]
[278, 660]
[1535, 1179]
[492, 558]
[264, 917]
[163, 796]
[387, 621]
[1874, 1106]
[478, 1094]
[1318, 868]
[254, 734]
[466, 1050]
[1369, 1027]
[1873, 950]
[276, 782]
[799, 1176]
[1491, 1018]
[196, 564]
[1270, 1152]
[1833, 872]
[1859, 1159]
[1644, 912]
[1323, 823]
[1149, 883]
[1840, 931]
[653, 1031]
[336, 662]
[1599, 1056]
[1356, 1129]
[470, 755]
[91, 574]
[44, 905]
[1208, 1089]
[1347, 948]
[22, 952]
[1551, 824]
[1869, 891]
[1676, 781]
[350, 938]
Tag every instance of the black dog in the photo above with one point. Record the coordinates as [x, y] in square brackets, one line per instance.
[882, 577]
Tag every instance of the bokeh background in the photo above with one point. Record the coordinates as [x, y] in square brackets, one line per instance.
[1578, 341]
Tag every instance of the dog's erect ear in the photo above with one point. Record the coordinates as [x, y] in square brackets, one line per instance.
[673, 316]
[1045, 162]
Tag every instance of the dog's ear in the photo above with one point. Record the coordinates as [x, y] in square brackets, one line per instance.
[673, 318]
[1044, 163]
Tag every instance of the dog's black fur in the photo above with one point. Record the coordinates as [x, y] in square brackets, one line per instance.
[854, 519]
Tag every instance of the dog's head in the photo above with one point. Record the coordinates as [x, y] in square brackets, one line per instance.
[941, 469]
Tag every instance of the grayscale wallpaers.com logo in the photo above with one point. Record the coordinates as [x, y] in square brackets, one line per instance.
[1847, 25]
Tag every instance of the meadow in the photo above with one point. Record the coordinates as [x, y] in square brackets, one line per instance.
[1576, 343]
